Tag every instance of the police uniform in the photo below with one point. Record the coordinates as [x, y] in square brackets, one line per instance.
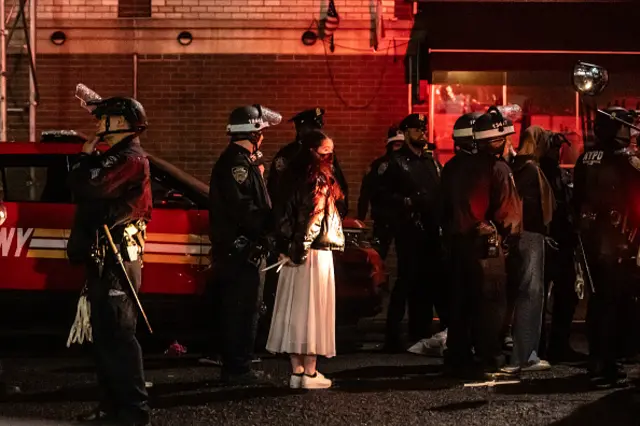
[114, 189]
[306, 120]
[410, 188]
[606, 193]
[381, 215]
[239, 218]
[480, 207]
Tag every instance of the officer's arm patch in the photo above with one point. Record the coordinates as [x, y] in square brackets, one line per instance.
[240, 174]
[382, 168]
[635, 162]
[280, 164]
[109, 161]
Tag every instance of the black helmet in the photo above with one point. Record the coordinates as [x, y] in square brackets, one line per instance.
[492, 126]
[309, 117]
[129, 108]
[251, 119]
[463, 132]
[394, 135]
[611, 132]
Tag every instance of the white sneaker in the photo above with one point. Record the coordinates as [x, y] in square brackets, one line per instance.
[510, 369]
[540, 365]
[317, 382]
[295, 381]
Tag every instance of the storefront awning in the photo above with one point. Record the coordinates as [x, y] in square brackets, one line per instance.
[507, 36]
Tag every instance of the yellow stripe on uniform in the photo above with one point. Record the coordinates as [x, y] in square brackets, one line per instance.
[47, 254]
[50, 233]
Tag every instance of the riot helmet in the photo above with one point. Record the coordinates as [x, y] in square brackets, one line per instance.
[248, 122]
[395, 138]
[118, 106]
[490, 131]
[612, 133]
[463, 133]
[414, 127]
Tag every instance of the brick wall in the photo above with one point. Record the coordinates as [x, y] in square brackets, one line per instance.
[213, 9]
[76, 9]
[188, 99]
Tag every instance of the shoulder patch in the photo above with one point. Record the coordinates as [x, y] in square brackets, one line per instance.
[382, 168]
[635, 162]
[404, 163]
[240, 174]
[280, 163]
[109, 161]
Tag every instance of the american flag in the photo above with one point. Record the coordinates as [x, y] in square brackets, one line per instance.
[332, 20]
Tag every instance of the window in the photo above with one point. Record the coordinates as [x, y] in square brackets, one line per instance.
[165, 196]
[134, 8]
[40, 178]
[457, 93]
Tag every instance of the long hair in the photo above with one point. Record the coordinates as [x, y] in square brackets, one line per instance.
[534, 142]
[311, 167]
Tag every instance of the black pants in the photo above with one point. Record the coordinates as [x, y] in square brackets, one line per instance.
[478, 305]
[382, 236]
[560, 269]
[118, 354]
[604, 312]
[418, 283]
[237, 285]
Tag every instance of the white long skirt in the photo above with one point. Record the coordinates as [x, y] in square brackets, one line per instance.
[304, 316]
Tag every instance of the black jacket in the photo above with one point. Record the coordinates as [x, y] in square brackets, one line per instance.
[369, 190]
[308, 219]
[111, 189]
[410, 189]
[280, 163]
[239, 201]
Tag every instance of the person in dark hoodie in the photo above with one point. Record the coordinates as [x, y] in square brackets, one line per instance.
[525, 265]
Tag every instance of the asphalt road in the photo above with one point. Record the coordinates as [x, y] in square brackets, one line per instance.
[370, 389]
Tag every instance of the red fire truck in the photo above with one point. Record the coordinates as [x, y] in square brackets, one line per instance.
[39, 287]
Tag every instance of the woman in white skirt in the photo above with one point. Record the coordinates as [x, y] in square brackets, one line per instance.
[308, 229]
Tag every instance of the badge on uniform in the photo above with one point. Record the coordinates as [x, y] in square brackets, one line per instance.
[240, 174]
[382, 168]
[635, 162]
[280, 164]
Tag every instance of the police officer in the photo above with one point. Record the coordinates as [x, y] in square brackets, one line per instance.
[382, 217]
[114, 189]
[607, 180]
[480, 207]
[560, 267]
[305, 121]
[239, 218]
[410, 187]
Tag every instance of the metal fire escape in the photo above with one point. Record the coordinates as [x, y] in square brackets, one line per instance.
[19, 41]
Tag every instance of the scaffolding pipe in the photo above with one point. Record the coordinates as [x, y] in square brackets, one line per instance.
[32, 82]
[3, 72]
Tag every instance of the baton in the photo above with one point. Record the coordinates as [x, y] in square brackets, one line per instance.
[280, 263]
[124, 270]
[586, 263]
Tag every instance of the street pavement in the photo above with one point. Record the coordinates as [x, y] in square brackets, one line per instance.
[370, 389]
